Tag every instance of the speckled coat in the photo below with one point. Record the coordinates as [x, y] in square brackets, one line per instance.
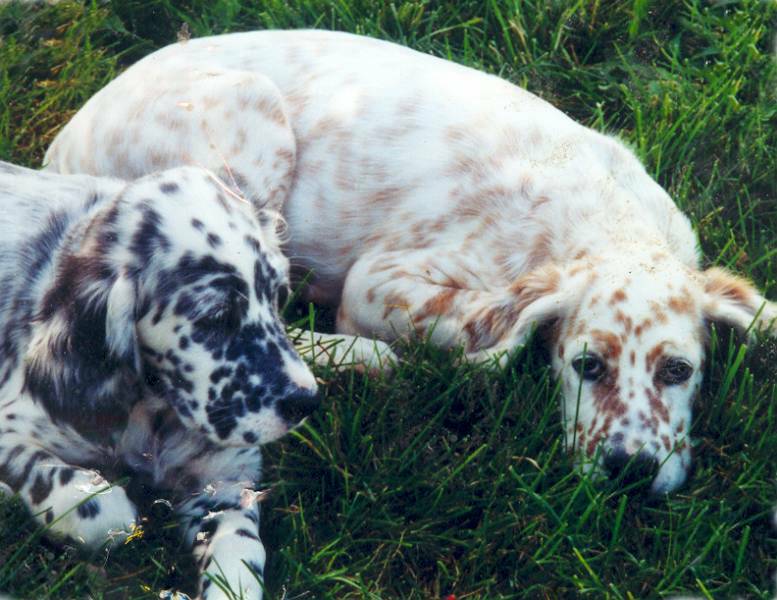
[430, 199]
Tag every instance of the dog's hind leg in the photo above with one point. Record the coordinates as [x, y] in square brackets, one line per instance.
[232, 122]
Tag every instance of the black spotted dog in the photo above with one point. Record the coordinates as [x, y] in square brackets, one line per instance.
[140, 328]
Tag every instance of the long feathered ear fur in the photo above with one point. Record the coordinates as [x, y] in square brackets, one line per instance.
[84, 354]
[533, 300]
[735, 301]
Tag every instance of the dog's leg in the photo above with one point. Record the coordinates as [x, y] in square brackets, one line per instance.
[221, 523]
[343, 351]
[69, 500]
[411, 293]
[233, 123]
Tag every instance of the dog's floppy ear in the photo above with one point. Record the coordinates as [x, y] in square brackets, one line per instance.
[535, 299]
[121, 315]
[83, 354]
[735, 301]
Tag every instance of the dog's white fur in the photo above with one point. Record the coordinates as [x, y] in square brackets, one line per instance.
[431, 199]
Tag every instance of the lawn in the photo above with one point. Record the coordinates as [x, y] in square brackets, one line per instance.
[447, 479]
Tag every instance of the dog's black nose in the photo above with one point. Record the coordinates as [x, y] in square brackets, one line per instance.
[298, 405]
[631, 468]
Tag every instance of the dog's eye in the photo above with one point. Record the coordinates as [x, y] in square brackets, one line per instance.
[674, 371]
[226, 317]
[590, 367]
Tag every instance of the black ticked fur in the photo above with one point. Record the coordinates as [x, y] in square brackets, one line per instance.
[73, 366]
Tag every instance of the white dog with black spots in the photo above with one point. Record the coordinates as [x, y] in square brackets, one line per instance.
[140, 330]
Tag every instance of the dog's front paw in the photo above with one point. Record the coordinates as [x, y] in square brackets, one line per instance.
[92, 512]
[495, 358]
[343, 351]
[366, 355]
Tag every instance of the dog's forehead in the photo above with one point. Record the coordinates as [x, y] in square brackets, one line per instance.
[635, 311]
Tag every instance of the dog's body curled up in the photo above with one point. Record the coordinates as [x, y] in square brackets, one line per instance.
[139, 330]
[431, 199]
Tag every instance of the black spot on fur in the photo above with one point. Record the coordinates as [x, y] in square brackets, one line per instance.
[253, 243]
[66, 475]
[11, 475]
[242, 532]
[89, 509]
[255, 567]
[80, 372]
[169, 187]
[41, 488]
[214, 240]
[220, 373]
[149, 238]
[250, 438]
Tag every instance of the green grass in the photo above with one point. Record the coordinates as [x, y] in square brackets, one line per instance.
[449, 479]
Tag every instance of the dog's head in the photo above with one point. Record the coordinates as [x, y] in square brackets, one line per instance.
[174, 291]
[628, 340]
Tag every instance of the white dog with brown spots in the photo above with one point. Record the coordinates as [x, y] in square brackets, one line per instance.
[430, 199]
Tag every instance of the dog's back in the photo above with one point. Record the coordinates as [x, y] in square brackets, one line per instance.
[394, 149]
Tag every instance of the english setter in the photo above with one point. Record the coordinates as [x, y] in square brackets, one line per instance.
[140, 328]
[430, 199]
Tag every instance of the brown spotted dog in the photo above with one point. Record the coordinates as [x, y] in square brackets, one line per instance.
[429, 199]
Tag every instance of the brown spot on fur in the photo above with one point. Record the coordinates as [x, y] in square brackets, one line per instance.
[490, 325]
[539, 282]
[271, 109]
[581, 255]
[657, 407]
[652, 357]
[667, 442]
[594, 300]
[617, 296]
[561, 351]
[590, 448]
[681, 304]
[389, 194]
[393, 302]
[607, 343]
[371, 295]
[540, 250]
[633, 358]
[624, 320]
[644, 326]
[607, 396]
[437, 305]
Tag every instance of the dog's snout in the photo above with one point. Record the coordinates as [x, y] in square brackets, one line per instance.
[631, 468]
[298, 405]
